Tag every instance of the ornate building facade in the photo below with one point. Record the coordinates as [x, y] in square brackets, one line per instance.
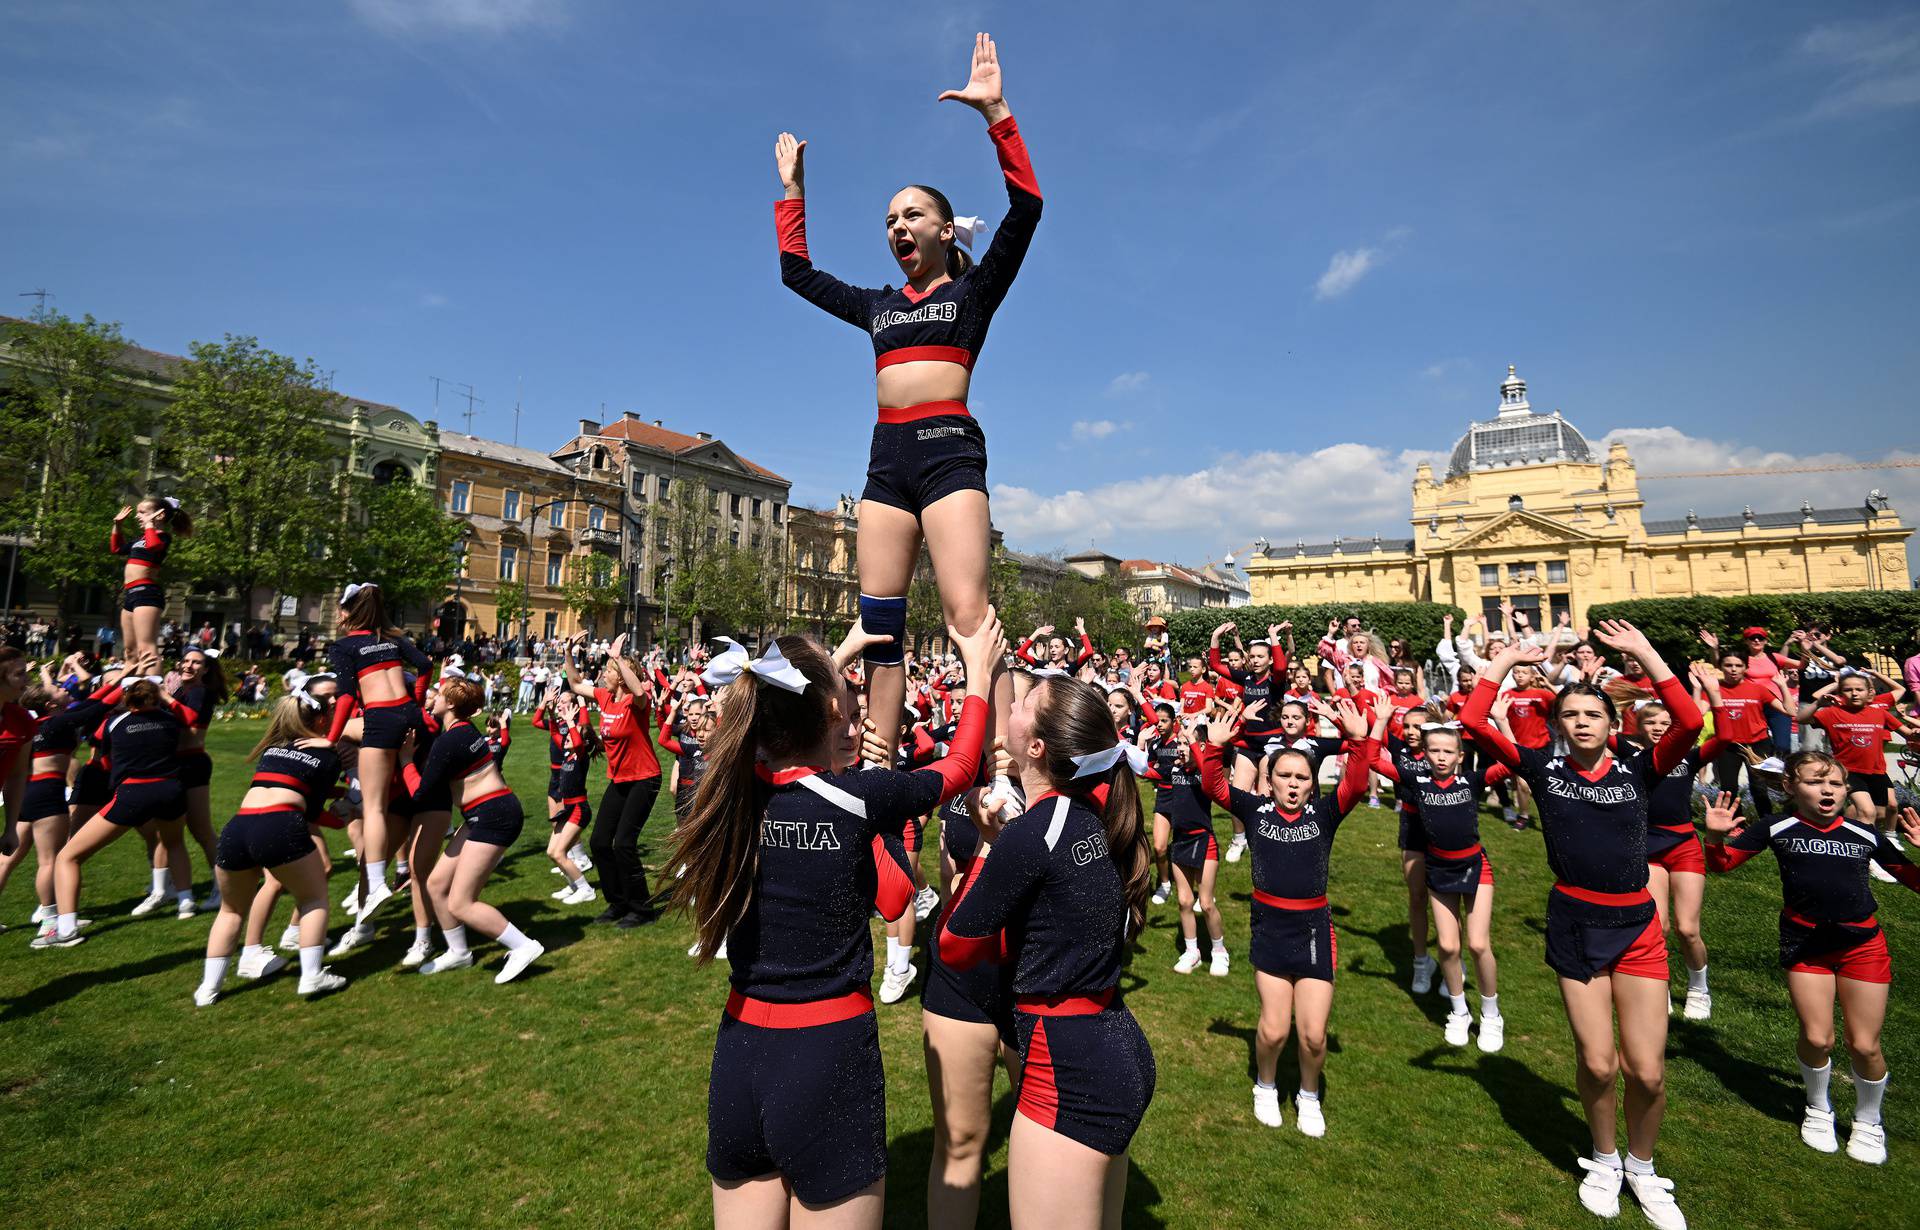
[1527, 512]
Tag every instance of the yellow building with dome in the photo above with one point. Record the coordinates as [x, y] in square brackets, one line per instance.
[1527, 512]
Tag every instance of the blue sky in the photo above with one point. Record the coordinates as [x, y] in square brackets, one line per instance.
[1286, 253]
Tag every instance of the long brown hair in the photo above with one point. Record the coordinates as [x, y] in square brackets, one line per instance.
[289, 723]
[1072, 719]
[366, 611]
[213, 677]
[719, 841]
[171, 515]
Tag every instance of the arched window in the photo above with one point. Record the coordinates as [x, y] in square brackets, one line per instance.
[390, 471]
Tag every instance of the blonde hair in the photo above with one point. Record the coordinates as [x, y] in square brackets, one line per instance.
[289, 722]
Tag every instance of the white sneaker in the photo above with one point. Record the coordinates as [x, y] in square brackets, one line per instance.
[554, 871]
[1189, 961]
[1161, 893]
[1655, 1196]
[1219, 968]
[1237, 847]
[377, 893]
[559, 893]
[350, 939]
[203, 997]
[350, 904]
[1308, 1117]
[1699, 1006]
[1867, 1142]
[584, 863]
[263, 966]
[581, 895]
[417, 955]
[290, 938]
[1510, 815]
[895, 982]
[321, 983]
[1816, 1128]
[1600, 1190]
[1423, 970]
[448, 961]
[1459, 1026]
[148, 904]
[41, 913]
[925, 902]
[1493, 1033]
[1880, 873]
[1266, 1105]
[187, 909]
[518, 960]
[50, 937]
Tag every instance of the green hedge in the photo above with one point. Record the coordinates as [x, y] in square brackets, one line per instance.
[1876, 621]
[1418, 622]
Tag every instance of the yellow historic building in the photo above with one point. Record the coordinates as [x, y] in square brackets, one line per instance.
[1527, 512]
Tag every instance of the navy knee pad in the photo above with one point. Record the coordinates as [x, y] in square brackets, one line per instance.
[884, 617]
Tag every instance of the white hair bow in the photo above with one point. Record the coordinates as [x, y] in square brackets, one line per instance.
[346, 595]
[966, 230]
[1453, 725]
[1100, 762]
[771, 666]
[210, 652]
[171, 503]
[1847, 672]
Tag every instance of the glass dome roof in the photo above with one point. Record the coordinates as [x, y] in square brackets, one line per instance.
[1517, 436]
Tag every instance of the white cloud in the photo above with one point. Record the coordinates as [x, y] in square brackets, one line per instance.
[1097, 429]
[1127, 382]
[1444, 368]
[458, 16]
[1879, 63]
[1344, 272]
[1668, 450]
[432, 299]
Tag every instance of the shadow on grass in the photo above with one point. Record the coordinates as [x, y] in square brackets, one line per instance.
[65, 987]
[1533, 1106]
[1289, 1060]
[1765, 1088]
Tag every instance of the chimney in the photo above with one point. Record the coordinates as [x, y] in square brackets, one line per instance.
[631, 416]
[589, 428]
[704, 435]
[659, 423]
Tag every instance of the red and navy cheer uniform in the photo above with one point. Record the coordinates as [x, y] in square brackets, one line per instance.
[982, 993]
[558, 734]
[692, 759]
[576, 753]
[499, 743]
[1048, 900]
[150, 548]
[276, 835]
[356, 655]
[1446, 815]
[1253, 734]
[192, 706]
[144, 748]
[403, 799]
[460, 752]
[1671, 840]
[1600, 917]
[796, 1085]
[1178, 796]
[1292, 923]
[1827, 921]
[1024, 651]
[57, 734]
[924, 452]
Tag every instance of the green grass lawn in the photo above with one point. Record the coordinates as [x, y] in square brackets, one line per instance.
[578, 1094]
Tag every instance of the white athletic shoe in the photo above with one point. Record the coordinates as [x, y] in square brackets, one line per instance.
[581, 895]
[188, 908]
[350, 904]
[290, 938]
[562, 891]
[1493, 1033]
[1510, 815]
[554, 871]
[448, 961]
[1266, 1105]
[518, 960]
[1655, 1197]
[203, 997]
[895, 982]
[1600, 1190]
[263, 966]
[1308, 1117]
[1880, 873]
[51, 938]
[1161, 893]
[1423, 970]
[41, 913]
[925, 902]
[1867, 1142]
[148, 904]
[377, 893]
[1816, 1128]
[321, 983]
[350, 939]
[1189, 961]
[1699, 1006]
[417, 955]
[584, 863]
[1237, 847]
[1219, 967]
[1459, 1026]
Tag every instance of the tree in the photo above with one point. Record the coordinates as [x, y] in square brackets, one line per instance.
[402, 539]
[513, 602]
[592, 587]
[733, 588]
[70, 425]
[926, 619]
[246, 435]
[1017, 603]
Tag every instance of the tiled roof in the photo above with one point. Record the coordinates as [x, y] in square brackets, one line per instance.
[1766, 520]
[494, 450]
[645, 434]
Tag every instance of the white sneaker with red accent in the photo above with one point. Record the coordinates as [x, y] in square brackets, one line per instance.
[1189, 961]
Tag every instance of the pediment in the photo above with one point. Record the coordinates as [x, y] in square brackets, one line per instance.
[1520, 529]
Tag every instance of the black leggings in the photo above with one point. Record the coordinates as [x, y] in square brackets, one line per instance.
[615, 844]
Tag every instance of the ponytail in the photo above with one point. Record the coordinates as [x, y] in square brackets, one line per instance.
[1127, 844]
[1072, 719]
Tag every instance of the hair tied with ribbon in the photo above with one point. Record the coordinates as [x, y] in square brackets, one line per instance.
[967, 230]
[770, 667]
[172, 504]
[346, 595]
[1100, 762]
[1450, 725]
[1848, 672]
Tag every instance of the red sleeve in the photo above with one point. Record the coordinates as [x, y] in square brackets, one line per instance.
[506, 738]
[150, 537]
[1687, 723]
[1213, 775]
[963, 952]
[115, 543]
[1014, 162]
[790, 226]
[1722, 857]
[539, 719]
[185, 712]
[1384, 766]
[1025, 652]
[1086, 651]
[345, 706]
[1475, 715]
[895, 891]
[421, 682]
[1280, 661]
[1217, 663]
[961, 765]
[668, 742]
[1496, 774]
[1353, 782]
[111, 695]
[410, 773]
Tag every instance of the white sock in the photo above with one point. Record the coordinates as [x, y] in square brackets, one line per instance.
[215, 971]
[400, 869]
[160, 886]
[376, 872]
[456, 938]
[577, 853]
[1636, 1166]
[893, 953]
[1816, 1080]
[1193, 945]
[310, 959]
[1459, 1004]
[1866, 1108]
[67, 924]
[1220, 947]
[513, 938]
[1260, 1084]
[1304, 1096]
[1489, 1007]
[1607, 1159]
[422, 936]
[577, 885]
[1697, 979]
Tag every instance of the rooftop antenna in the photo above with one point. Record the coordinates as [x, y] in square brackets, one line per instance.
[519, 384]
[471, 400]
[42, 295]
[437, 382]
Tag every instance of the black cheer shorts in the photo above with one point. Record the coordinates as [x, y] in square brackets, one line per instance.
[982, 994]
[927, 453]
[142, 593]
[494, 819]
[138, 800]
[263, 837]
[1587, 938]
[806, 1101]
[94, 786]
[46, 797]
[386, 726]
[1293, 943]
[1086, 1075]
[196, 769]
[1193, 848]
